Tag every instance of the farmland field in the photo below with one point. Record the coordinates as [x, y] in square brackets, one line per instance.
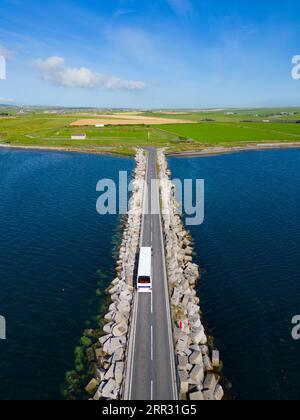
[222, 133]
[216, 128]
[56, 131]
[233, 115]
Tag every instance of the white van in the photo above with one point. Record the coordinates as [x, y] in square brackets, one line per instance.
[144, 280]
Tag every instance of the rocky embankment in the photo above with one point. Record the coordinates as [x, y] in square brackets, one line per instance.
[197, 363]
[111, 354]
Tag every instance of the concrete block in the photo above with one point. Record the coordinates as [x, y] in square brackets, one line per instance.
[92, 387]
[120, 329]
[196, 375]
[216, 358]
[110, 373]
[119, 371]
[208, 396]
[196, 396]
[219, 393]
[207, 363]
[109, 390]
[182, 343]
[196, 358]
[210, 382]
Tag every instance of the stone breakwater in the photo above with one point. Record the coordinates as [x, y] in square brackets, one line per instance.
[111, 354]
[197, 363]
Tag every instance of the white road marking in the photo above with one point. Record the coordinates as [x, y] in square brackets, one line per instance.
[151, 390]
[152, 349]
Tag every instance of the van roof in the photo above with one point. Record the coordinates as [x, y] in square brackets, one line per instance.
[145, 262]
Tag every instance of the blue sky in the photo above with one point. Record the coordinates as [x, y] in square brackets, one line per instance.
[158, 53]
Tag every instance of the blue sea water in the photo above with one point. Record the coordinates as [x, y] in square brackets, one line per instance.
[249, 250]
[52, 244]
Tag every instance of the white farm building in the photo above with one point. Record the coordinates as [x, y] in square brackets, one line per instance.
[78, 137]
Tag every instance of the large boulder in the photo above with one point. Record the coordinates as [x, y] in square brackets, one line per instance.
[198, 336]
[92, 387]
[196, 375]
[110, 390]
[196, 358]
[196, 396]
[121, 317]
[182, 343]
[112, 345]
[126, 295]
[207, 363]
[219, 393]
[208, 396]
[182, 362]
[110, 373]
[104, 339]
[120, 329]
[109, 316]
[108, 327]
[216, 358]
[119, 371]
[118, 355]
[176, 296]
[124, 307]
[100, 373]
[210, 382]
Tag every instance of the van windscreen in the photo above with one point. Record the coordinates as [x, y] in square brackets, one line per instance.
[144, 280]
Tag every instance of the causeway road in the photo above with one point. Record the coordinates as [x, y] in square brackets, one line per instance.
[151, 374]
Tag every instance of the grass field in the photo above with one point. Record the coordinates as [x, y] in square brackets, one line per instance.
[233, 115]
[224, 128]
[224, 133]
[55, 131]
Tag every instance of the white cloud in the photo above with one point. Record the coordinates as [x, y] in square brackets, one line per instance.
[181, 7]
[55, 70]
[6, 100]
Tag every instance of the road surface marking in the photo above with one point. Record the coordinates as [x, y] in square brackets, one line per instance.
[151, 390]
[152, 343]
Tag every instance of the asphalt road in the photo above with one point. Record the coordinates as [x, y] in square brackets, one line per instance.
[152, 371]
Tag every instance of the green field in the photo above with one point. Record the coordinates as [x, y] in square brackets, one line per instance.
[209, 128]
[55, 131]
[233, 115]
[224, 133]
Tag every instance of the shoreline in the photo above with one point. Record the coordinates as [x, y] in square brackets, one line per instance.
[117, 150]
[222, 150]
[106, 151]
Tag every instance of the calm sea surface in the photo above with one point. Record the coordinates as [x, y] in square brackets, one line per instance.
[249, 249]
[52, 244]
